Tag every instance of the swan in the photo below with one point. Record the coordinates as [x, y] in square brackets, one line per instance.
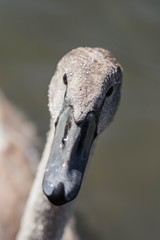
[84, 94]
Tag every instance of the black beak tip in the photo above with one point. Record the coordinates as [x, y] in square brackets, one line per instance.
[57, 196]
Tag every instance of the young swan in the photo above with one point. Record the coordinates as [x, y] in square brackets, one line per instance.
[84, 94]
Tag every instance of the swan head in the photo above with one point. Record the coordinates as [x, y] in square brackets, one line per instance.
[84, 94]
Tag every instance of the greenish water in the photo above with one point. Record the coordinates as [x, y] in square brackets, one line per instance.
[120, 197]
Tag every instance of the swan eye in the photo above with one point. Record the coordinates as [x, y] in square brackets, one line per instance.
[110, 91]
[65, 79]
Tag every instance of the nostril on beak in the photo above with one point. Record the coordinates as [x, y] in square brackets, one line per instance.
[58, 195]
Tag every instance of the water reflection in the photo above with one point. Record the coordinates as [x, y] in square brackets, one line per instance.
[120, 198]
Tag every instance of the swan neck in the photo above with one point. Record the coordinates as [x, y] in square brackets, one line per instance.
[42, 220]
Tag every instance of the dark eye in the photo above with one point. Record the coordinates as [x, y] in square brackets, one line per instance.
[65, 79]
[109, 92]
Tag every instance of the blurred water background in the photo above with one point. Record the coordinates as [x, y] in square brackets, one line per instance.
[120, 197]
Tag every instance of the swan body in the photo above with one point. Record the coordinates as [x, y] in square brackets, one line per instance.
[84, 94]
[18, 163]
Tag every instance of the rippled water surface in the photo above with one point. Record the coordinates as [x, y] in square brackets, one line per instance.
[120, 197]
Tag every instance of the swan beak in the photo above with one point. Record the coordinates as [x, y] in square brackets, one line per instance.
[68, 157]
